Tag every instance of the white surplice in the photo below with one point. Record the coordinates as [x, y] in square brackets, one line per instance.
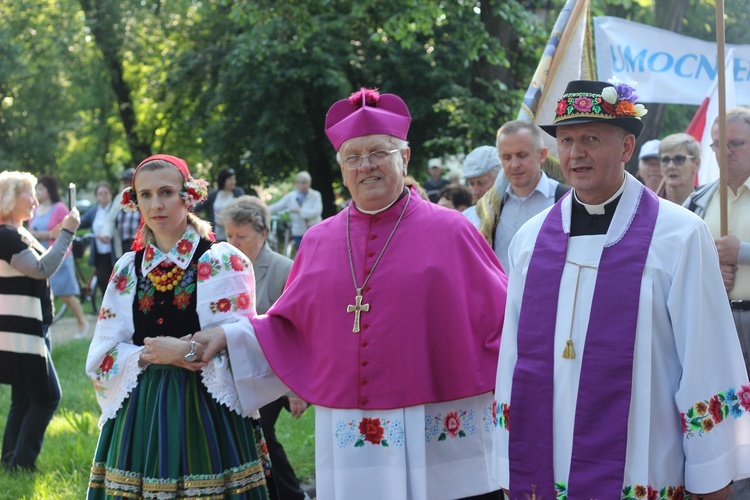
[424, 452]
[686, 355]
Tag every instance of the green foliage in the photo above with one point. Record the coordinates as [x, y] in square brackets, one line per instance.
[90, 86]
[247, 84]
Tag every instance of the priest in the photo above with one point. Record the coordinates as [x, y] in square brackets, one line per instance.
[620, 372]
[389, 324]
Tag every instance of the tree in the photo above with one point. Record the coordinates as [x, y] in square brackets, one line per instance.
[289, 62]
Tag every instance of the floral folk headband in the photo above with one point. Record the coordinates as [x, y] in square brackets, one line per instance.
[193, 191]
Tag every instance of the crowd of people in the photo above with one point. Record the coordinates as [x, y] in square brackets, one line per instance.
[589, 307]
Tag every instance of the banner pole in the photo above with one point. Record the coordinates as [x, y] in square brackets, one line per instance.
[722, 119]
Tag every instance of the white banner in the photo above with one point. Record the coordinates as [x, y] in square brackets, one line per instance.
[668, 67]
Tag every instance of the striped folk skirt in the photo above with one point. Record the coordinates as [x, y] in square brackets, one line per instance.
[171, 439]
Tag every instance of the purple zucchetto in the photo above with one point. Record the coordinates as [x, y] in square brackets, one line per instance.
[367, 112]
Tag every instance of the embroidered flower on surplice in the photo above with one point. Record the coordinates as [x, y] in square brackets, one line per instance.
[371, 431]
[454, 424]
[703, 416]
[382, 432]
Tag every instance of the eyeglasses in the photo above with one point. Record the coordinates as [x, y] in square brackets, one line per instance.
[735, 145]
[678, 160]
[353, 162]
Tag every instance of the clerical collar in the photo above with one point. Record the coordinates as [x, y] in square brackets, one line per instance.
[373, 212]
[600, 209]
[586, 220]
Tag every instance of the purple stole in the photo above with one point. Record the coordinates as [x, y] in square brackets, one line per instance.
[601, 420]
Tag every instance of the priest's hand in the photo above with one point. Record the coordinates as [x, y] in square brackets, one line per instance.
[169, 351]
[215, 340]
[727, 274]
[728, 247]
[722, 494]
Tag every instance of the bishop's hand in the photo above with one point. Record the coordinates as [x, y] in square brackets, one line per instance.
[215, 340]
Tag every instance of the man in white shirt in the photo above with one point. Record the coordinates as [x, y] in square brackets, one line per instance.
[304, 204]
[523, 188]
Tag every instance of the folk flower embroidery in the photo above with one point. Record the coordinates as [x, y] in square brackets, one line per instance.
[145, 296]
[497, 416]
[208, 269]
[634, 492]
[617, 101]
[242, 301]
[582, 104]
[184, 246]
[372, 432]
[184, 291]
[382, 432]
[452, 425]
[106, 313]
[148, 254]
[121, 281]
[237, 263]
[703, 416]
[108, 366]
[180, 254]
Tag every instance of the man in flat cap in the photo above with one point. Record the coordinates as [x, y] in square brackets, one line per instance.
[480, 170]
[384, 328]
[649, 168]
[436, 182]
[620, 373]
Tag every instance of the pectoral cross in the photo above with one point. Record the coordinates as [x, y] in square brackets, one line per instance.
[357, 308]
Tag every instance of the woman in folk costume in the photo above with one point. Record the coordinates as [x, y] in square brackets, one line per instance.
[171, 424]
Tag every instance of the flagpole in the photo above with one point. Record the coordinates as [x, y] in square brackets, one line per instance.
[722, 120]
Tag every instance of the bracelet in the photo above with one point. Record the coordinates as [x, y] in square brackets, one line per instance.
[66, 230]
[192, 355]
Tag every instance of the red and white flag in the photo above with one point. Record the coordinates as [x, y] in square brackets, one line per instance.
[700, 125]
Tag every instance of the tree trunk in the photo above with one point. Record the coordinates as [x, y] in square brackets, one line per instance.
[103, 27]
[482, 71]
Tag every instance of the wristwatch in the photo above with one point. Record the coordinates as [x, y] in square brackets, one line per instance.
[193, 354]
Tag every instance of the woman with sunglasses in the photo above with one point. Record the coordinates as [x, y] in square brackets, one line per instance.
[680, 159]
[172, 426]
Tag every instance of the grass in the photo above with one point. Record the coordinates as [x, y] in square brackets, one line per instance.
[70, 440]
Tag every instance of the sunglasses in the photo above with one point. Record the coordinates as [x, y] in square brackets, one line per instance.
[678, 160]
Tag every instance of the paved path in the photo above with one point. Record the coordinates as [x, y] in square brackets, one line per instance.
[64, 329]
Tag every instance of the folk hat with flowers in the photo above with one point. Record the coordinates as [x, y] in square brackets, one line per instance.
[367, 112]
[612, 102]
[193, 191]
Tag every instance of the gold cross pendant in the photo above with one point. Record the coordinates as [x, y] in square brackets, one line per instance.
[357, 308]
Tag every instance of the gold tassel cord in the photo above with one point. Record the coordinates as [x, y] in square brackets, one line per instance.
[570, 352]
